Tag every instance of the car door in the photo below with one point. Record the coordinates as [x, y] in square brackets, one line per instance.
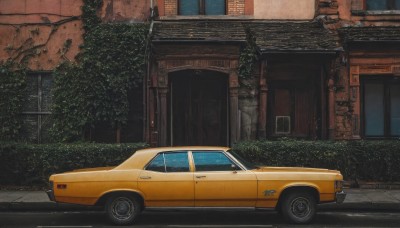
[220, 182]
[167, 181]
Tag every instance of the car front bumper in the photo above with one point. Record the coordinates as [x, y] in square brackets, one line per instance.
[50, 194]
[340, 196]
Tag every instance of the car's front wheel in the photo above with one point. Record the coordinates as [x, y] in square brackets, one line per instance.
[299, 207]
[122, 209]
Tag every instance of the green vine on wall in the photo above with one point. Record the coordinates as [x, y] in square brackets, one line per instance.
[12, 94]
[95, 89]
[247, 61]
[89, 14]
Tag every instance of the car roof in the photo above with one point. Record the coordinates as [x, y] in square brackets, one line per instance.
[143, 156]
[179, 148]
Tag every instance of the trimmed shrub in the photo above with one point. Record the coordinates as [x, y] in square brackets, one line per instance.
[357, 160]
[32, 164]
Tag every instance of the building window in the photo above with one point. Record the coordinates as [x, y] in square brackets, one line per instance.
[282, 125]
[36, 110]
[202, 7]
[381, 105]
[383, 4]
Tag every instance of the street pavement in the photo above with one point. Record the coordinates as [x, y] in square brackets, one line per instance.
[356, 199]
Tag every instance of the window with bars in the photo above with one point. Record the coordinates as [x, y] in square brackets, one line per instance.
[382, 4]
[36, 110]
[202, 7]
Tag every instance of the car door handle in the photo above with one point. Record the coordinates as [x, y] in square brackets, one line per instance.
[200, 177]
[145, 177]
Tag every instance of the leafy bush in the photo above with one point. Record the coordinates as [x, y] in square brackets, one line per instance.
[12, 91]
[32, 164]
[357, 160]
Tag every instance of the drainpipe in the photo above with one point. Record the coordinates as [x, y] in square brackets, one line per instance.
[146, 129]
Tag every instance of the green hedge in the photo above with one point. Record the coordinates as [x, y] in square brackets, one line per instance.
[31, 164]
[357, 160]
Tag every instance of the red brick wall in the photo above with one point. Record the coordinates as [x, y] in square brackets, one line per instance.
[235, 7]
[170, 7]
[357, 4]
[125, 10]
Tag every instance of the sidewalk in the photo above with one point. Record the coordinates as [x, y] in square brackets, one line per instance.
[356, 199]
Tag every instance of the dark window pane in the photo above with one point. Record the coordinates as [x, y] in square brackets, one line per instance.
[215, 7]
[177, 162]
[211, 161]
[395, 110]
[31, 102]
[189, 7]
[374, 109]
[377, 5]
[397, 5]
[47, 82]
[157, 164]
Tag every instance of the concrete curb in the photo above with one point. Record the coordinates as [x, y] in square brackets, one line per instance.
[370, 206]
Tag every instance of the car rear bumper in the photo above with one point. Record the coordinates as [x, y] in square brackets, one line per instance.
[340, 196]
[50, 194]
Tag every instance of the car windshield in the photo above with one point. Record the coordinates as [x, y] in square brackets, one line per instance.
[247, 164]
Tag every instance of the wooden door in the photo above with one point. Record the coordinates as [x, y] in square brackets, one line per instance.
[292, 109]
[198, 110]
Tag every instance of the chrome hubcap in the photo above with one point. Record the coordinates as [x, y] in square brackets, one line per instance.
[300, 207]
[122, 208]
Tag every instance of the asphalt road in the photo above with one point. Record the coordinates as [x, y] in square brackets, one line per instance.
[209, 219]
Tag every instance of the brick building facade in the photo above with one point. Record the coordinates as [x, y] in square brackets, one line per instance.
[325, 69]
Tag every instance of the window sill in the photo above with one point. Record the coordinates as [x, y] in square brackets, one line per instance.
[375, 12]
[206, 17]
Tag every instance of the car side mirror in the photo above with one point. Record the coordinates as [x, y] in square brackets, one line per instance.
[234, 168]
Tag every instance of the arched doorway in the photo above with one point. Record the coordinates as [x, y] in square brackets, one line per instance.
[198, 108]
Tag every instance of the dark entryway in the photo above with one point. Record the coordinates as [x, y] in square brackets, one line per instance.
[198, 105]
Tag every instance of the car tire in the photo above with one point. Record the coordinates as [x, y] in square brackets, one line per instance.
[299, 207]
[122, 209]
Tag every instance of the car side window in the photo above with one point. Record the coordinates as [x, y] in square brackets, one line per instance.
[212, 161]
[157, 164]
[170, 162]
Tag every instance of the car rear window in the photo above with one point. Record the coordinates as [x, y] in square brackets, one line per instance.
[170, 162]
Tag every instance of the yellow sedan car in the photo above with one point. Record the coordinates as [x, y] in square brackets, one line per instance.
[197, 177]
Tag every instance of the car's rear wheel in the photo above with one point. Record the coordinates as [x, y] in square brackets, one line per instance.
[122, 209]
[299, 207]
